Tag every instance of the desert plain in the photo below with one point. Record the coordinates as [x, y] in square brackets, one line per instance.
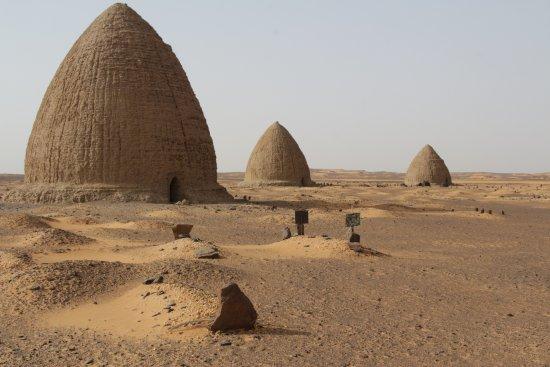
[449, 285]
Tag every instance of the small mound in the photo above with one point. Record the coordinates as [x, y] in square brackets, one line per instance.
[81, 220]
[141, 224]
[25, 221]
[143, 311]
[166, 214]
[376, 213]
[14, 260]
[474, 215]
[55, 237]
[179, 249]
[299, 247]
[47, 285]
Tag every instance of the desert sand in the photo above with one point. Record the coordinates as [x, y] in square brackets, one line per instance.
[452, 286]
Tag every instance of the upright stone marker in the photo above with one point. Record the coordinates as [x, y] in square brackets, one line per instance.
[301, 217]
[182, 231]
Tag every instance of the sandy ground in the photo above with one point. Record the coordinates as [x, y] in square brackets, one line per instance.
[457, 287]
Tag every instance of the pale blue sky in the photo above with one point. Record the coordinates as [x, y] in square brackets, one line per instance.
[360, 84]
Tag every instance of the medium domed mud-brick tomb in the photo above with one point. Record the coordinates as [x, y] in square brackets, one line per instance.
[277, 160]
[427, 168]
[120, 121]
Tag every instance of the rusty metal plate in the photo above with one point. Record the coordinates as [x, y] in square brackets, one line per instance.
[301, 217]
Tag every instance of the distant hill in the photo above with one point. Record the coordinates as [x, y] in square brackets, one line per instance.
[337, 174]
[9, 177]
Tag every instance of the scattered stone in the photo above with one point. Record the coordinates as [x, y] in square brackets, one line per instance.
[502, 212]
[207, 252]
[477, 209]
[482, 211]
[286, 233]
[225, 343]
[490, 211]
[35, 287]
[360, 249]
[235, 312]
[152, 280]
[233, 208]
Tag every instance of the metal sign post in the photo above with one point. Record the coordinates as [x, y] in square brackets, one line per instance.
[301, 217]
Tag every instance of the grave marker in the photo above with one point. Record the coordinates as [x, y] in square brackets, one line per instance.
[182, 231]
[301, 217]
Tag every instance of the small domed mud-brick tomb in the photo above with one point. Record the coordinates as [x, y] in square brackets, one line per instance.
[427, 168]
[120, 121]
[277, 160]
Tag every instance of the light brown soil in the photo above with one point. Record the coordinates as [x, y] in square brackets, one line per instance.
[457, 288]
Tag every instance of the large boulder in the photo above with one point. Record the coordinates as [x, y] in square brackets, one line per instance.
[236, 311]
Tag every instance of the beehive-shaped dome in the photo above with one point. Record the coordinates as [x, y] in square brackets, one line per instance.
[118, 117]
[427, 168]
[277, 160]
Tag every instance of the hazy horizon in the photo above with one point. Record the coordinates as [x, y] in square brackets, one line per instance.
[361, 85]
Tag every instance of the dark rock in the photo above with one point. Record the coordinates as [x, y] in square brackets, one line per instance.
[360, 249]
[286, 233]
[207, 252]
[152, 280]
[225, 343]
[35, 287]
[235, 312]
[170, 304]
[182, 230]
